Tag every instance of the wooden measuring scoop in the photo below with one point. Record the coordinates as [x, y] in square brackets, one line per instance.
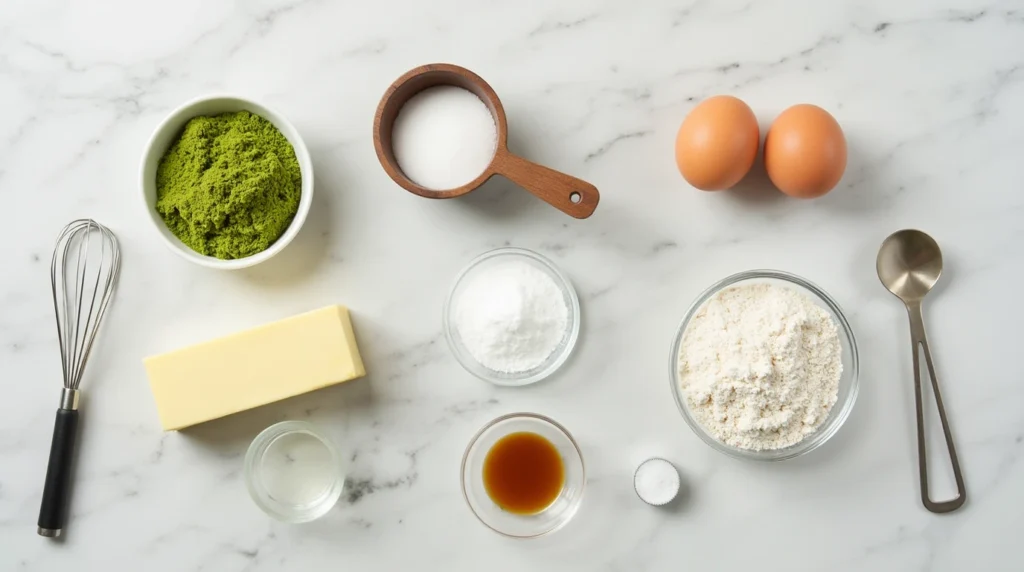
[570, 195]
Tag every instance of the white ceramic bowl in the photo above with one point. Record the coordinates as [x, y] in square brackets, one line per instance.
[169, 130]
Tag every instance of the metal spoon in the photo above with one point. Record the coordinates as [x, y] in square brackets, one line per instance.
[909, 264]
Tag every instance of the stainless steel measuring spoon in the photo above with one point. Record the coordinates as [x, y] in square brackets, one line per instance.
[909, 264]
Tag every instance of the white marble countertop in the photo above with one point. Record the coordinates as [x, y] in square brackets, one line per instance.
[929, 96]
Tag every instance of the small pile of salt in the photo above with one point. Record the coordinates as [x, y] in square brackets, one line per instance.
[656, 481]
[444, 137]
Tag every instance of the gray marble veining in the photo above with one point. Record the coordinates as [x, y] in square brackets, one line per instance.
[927, 92]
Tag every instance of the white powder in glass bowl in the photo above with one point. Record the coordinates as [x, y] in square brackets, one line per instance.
[511, 317]
[760, 366]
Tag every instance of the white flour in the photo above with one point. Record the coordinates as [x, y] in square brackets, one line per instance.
[760, 366]
[511, 317]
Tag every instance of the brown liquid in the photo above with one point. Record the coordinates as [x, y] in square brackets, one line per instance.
[523, 473]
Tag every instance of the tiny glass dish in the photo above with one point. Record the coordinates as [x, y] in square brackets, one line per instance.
[656, 481]
[555, 359]
[555, 515]
[293, 472]
[848, 382]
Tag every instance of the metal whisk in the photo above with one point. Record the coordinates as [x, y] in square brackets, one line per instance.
[83, 271]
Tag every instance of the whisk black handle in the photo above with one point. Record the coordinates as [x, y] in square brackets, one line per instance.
[58, 474]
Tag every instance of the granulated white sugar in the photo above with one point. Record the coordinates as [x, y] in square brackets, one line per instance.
[444, 137]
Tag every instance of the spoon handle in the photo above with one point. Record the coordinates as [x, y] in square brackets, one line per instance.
[920, 343]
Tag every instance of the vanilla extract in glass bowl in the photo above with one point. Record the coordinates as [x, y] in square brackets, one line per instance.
[523, 475]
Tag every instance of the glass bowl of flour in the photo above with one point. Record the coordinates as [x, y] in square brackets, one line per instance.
[512, 317]
[764, 366]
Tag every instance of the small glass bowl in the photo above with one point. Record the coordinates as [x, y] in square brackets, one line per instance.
[848, 383]
[289, 455]
[559, 512]
[557, 357]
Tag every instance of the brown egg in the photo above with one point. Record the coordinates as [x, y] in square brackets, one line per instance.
[717, 143]
[805, 152]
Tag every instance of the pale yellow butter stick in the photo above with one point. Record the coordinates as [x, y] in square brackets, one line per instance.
[255, 367]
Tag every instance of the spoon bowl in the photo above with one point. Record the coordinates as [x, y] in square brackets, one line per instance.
[909, 264]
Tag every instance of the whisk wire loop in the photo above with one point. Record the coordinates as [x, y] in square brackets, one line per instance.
[82, 289]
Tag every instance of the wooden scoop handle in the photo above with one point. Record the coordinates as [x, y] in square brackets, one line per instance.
[574, 197]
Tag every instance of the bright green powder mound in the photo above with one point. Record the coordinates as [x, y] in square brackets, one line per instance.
[229, 186]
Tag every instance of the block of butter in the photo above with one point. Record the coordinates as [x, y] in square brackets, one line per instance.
[255, 367]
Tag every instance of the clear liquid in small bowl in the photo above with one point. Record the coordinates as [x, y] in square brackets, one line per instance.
[298, 469]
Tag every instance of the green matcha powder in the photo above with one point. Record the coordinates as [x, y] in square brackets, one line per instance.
[229, 186]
